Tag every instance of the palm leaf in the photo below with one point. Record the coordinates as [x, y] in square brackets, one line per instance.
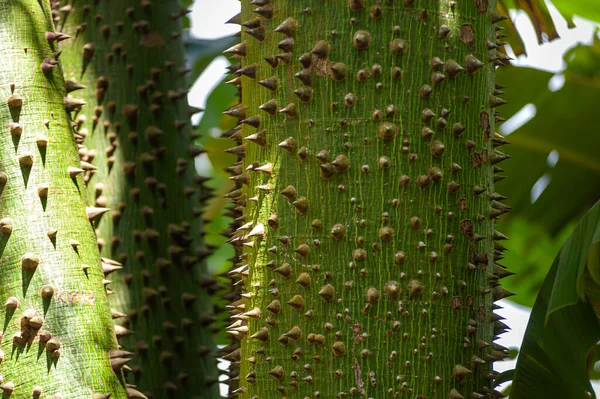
[563, 329]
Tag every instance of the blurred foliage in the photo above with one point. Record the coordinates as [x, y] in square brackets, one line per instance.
[200, 53]
[563, 329]
[213, 122]
[540, 18]
[221, 98]
[512, 36]
[565, 122]
[538, 14]
[593, 365]
[531, 252]
[588, 9]
[213, 166]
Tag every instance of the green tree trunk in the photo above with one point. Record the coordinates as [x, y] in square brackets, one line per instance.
[129, 56]
[368, 168]
[58, 336]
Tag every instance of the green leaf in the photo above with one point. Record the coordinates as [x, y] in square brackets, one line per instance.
[513, 38]
[221, 98]
[540, 18]
[573, 258]
[566, 121]
[563, 328]
[594, 259]
[215, 149]
[531, 251]
[583, 61]
[587, 9]
[199, 53]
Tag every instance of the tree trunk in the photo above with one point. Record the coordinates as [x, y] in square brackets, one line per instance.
[368, 169]
[58, 334]
[129, 55]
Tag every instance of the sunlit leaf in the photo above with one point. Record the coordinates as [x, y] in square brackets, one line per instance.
[513, 38]
[540, 18]
[587, 9]
[538, 14]
[215, 148]
[563, 328]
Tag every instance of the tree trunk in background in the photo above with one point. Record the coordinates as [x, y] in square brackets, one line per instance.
[58, 335]
[136, 130]
[368, 169]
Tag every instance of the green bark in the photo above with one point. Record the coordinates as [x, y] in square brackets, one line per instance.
[368, 170]
[136, 129]
[58, 336]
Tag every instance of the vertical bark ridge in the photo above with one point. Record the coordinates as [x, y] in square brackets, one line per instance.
[368, 161]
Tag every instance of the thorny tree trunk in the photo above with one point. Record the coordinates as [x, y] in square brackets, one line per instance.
[59, 339]
[369, 250]
[136, 130]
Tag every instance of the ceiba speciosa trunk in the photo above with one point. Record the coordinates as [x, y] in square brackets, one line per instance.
[58, 338]
[126, 61]
[366, 240]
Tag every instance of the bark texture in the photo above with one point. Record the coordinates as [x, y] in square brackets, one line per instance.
[129, 56]
[58, 338]
[367, 170]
